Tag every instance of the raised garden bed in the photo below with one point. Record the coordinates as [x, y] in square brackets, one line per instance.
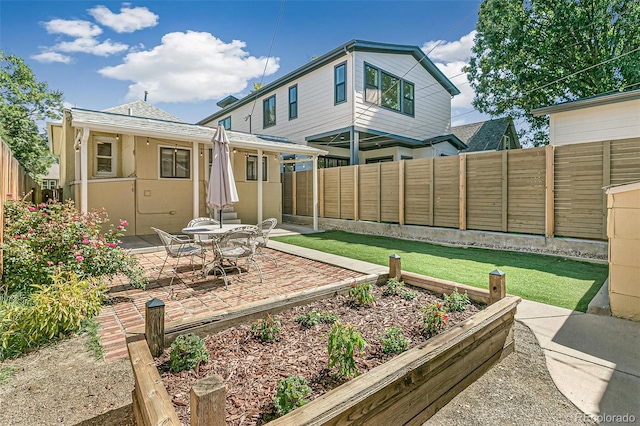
[409, 387]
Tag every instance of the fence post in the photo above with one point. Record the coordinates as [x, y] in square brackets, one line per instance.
[549, 213]
[432, 186]
[356, 193]
[606, 181]
[401, 192]
[395, 267]
[497, 286]
[154, 326]
[294, 194]
[379, 200]
[463, 192]
[505, 191]
[207, 399]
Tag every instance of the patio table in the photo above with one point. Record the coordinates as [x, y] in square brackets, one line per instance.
[215, 233]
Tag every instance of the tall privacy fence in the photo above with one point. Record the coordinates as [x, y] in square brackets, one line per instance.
[13, 180]
[552, 191]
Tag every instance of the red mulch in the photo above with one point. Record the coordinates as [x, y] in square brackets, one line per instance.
[251, 368]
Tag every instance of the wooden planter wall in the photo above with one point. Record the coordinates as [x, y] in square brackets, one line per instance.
[405, 390]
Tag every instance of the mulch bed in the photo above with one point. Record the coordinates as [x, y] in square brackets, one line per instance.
[250, 368]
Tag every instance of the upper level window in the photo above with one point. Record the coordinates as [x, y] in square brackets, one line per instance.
[389, 91]
[252, 168]
[293, 102]
[226, 123]
[175, 163]
[106, 156]
[340, 72]
[269, 112]
[327, 162]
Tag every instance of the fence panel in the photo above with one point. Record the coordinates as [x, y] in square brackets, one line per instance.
[304, 193]
[446, 196]
[347, 192]
[369, 191]
[625, 161]
[331, 192]
[526, 191]
[287, 193]
[417, 186]
[389, 191]
[484, 191]
[578, 198]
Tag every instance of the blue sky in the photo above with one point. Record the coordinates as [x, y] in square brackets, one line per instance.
[190, 54]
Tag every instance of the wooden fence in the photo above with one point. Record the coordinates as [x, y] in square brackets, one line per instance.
[552, 191]
[13, 180]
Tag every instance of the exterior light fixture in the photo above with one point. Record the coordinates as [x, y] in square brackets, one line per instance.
[147, 140]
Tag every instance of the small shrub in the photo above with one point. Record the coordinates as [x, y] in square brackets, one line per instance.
[361, 294]
[456, 302]
[291, 393]
[407, 294]
[344, 340]
[394, 341]
[266, 329]
[434, 319]
[328, 318]
[393, 287]
[308, 320]
[187, 352]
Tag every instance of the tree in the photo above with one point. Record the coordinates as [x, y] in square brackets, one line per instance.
[256, 87]
[535, 53]
[24, 102]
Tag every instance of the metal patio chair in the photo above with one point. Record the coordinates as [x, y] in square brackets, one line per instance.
[177, 247]
[238, 244]
[263, 238]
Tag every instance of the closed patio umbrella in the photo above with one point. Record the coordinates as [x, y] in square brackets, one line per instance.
[221, 192]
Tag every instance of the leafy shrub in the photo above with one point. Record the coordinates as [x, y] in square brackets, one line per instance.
[312, 318]
[456, 302]
[344, 340]
[408, 294]
[290, 394]
[187, 352]
[48, 313]
[361, 294]
[44, 240]
[434, 319]
[393, 287]
[394, 341]
[266, 329]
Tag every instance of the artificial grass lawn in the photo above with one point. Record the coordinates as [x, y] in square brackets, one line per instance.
[546, 279]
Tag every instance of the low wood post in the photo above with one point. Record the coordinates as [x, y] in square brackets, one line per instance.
[395, 267]
[497, 286]
[207, 399]
[154, 326]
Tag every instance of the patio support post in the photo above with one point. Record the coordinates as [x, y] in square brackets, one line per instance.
[260, 171]
[497, 286]
[84, 173]
[315, 192]
[395, 267]
[355, 146]
[154, 326]
[196, 180]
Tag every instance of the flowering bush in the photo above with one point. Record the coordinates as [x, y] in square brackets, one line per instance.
[434, 319]
[361, 294]
[44, 240]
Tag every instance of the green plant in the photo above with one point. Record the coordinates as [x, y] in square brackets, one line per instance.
[434, 319]
[408, 294]
[456, 302]
[266, 329]
[394, 341]
[50, 312]
[291, 393]
[91, 326]
[312, 318]
[361, 294]
[187, 352]
[393, 287]
[328, 317]
[44, 240]
[344, 340]
[6, 373]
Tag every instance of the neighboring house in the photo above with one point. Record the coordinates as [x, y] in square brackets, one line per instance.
[52, 178]
[150, 168]
[363, 102]
[491, 135]
[598, 118]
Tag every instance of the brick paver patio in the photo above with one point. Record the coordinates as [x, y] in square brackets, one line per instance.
[193, 295]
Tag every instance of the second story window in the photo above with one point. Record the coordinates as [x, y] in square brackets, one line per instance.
[226, 123]
[293, 102]
[175, 163]
[269, 112]
[340, 72]
[389, 91]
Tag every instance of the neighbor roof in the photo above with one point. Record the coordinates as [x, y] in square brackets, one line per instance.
[353, 45]
[143, 109]
[144, 126]
[592, 101]
[452, 139]
[484, 135]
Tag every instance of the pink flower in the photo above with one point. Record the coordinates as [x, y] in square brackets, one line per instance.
[119, 228]
[85, 241]
[79, 258]
[59, 263]
[74, 246]
[17, 237]
[31, 209]
[31, 231]
[44, 214]
[42, 205]
[49, 263]
[9, 195]
[112, 245]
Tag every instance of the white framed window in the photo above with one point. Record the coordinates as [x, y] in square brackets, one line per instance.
[252, 168]
[106, 156]
[49, 184]
[175, 163]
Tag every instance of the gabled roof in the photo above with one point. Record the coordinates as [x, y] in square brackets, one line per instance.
[484, 135]
[452, 139]
[142, 126]
[353, 45]
[143, 109]
[591, 101]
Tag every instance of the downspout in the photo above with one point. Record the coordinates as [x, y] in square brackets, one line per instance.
[260, 185]
[196, 180]
[315, 192]
[84, 173]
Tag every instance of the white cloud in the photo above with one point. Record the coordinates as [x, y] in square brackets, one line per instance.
[51, 57]
[127, 21]
[72, 28]
[190, 67]
[443, 51]
[91, 46]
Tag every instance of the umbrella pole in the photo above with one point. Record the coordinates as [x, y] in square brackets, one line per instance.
[220, 218]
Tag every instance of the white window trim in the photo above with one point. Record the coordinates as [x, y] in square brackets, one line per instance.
[191, 165]
[265, 168]
[97, 140]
